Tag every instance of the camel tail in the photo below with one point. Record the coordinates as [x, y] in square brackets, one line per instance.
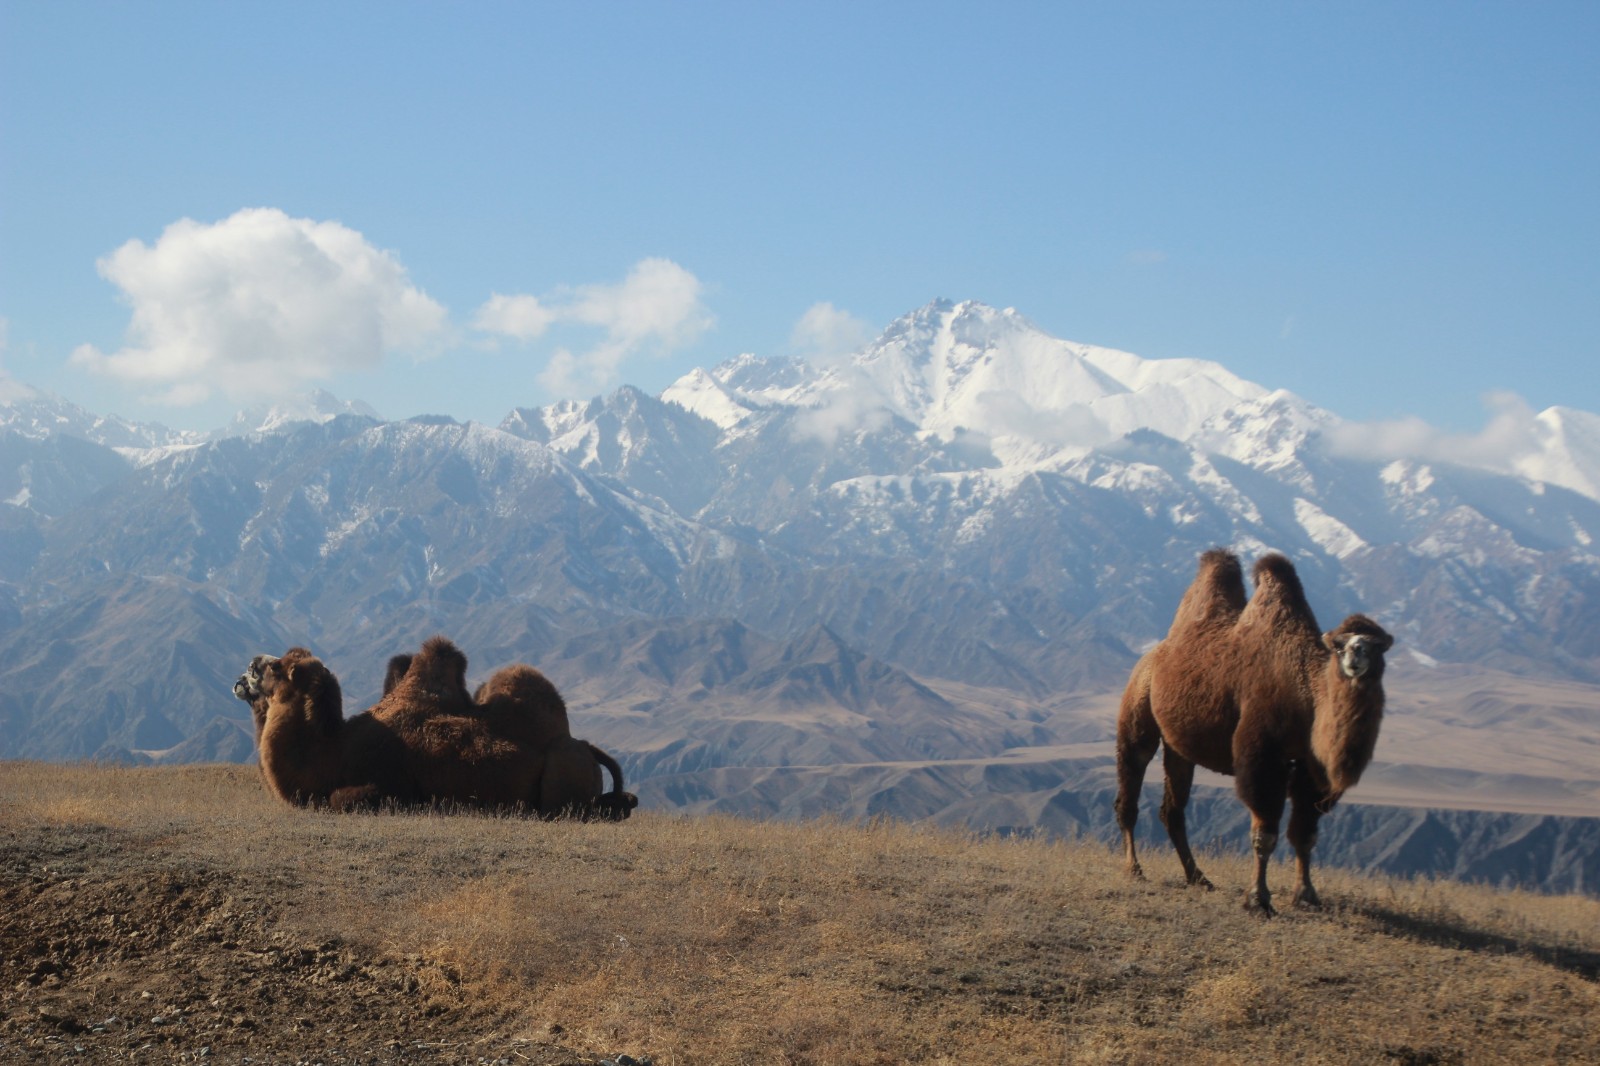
[617, 804]
[604, 759]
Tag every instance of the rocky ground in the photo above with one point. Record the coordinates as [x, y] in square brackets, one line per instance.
[105, 960]
[184, 915]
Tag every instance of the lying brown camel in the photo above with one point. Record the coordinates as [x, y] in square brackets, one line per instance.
[517, 703]
[311, 755]
[427, 740]
[1254, 690]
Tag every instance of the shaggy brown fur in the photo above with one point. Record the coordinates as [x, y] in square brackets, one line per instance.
[417, 753]
[439, 745]
[396, 670]
[310, 754]
[433, 683]
[1253, 690]
[519, 702]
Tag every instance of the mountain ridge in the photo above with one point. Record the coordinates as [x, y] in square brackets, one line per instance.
[953, 544]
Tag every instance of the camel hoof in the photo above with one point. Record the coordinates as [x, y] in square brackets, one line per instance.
[1135, 873]
[1201, 881]
[1307, 897]
[1259, 903]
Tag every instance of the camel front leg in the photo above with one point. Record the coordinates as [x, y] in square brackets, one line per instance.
[1262, 783]
[1263, 841]
[1309, 805]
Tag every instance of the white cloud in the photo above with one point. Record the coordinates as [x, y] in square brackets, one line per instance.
[656, 309]
[828, 337]
[826, 334]
[521, 317]
[1511, 434]
[847, 410]
[258, 304]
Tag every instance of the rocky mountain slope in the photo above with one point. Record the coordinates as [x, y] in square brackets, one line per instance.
[951, 546]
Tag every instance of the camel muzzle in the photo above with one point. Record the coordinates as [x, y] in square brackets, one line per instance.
[248, 686]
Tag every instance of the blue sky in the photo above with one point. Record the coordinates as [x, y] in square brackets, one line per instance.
[1390, 209]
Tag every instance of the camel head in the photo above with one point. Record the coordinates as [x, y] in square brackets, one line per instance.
[266, 672]
[248, 687]
[1359, 643]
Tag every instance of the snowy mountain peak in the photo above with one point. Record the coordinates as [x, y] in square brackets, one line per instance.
[728, 395]
[1568, 450]
[38, 415]
[968, 368]
[317, 406]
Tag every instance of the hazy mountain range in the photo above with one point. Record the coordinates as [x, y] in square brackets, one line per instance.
[946, 550]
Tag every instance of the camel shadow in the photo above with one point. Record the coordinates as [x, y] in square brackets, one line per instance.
[1455, 933]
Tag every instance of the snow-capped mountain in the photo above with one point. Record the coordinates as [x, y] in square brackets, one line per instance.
[967, 369]
[968, 521]
[1568, 444]
[318, 405]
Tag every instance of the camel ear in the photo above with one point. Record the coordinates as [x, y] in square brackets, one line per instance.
[1333, 642]
[1384, 642]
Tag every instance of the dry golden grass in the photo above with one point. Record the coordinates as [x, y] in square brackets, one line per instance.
[721, 941]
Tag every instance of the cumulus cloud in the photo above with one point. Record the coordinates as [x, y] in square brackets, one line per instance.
[826, 334]
[521, 317]
[656, 309]
[1512, 433]
[258, 304]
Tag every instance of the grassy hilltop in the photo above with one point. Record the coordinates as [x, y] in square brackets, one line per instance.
[170, 915]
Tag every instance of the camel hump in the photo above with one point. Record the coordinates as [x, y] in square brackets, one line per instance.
[439, 663]
[1216, 595]
[1220, 568]
[523, 685]
[442, 649]
[398, 667]
[1275, 566]
[1279, 583]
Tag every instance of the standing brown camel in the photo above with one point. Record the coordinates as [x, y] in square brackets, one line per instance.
[1254, 690]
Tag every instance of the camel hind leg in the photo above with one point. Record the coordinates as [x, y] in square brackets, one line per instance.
[571, 780]
[1138, 736]
[1174, 812]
